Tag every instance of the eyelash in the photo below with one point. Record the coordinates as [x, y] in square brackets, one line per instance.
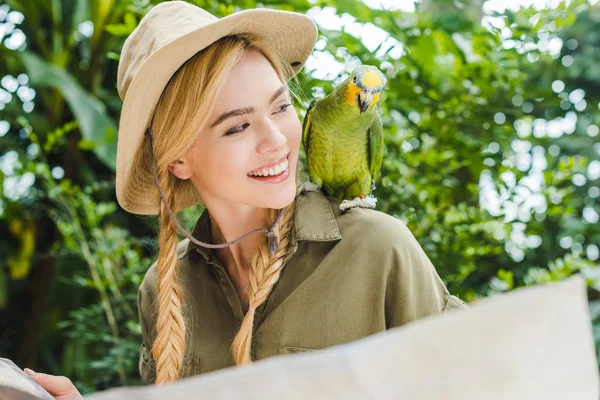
[283, 108]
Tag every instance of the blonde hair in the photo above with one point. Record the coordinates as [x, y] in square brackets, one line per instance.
[177, 122]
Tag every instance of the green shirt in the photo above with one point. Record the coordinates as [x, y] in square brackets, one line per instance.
[346, 276]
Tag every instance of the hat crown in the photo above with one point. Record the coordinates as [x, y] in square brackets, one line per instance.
[164, 23]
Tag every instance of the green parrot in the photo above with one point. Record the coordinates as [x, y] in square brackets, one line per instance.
[343, 139]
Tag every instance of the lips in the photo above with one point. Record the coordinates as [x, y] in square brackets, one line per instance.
[273, 179]
[271, 167]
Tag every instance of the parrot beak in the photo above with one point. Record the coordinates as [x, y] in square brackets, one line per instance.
[364, 99]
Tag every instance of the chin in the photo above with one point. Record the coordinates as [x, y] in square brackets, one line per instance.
[282, 199]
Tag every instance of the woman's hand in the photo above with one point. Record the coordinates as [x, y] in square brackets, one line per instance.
[60, 387]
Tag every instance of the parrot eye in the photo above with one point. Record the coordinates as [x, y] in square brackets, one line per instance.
[354, 80]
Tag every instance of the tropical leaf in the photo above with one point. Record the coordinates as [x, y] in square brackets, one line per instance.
[96, 126]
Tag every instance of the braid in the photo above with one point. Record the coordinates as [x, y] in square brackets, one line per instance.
[264, 273]
[169, 347]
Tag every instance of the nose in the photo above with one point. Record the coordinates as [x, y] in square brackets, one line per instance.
[271, 140]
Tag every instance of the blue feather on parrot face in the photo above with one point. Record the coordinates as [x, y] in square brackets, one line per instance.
[364, 87]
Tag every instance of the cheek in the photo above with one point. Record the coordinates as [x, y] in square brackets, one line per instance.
[293, 132]
[227, 162]
[215, 163]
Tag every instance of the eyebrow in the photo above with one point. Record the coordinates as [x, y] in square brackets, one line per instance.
[246, 110]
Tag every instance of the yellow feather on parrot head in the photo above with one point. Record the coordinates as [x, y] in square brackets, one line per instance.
[371, 80]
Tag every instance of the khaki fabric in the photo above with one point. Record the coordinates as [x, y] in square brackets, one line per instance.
[347, 276]
[529, 344]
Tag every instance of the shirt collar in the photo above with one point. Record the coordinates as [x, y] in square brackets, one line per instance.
[314, 221]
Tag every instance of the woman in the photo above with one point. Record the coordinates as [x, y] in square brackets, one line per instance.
[208, 113]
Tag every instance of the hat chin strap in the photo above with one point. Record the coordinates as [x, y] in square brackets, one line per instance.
[273, 240]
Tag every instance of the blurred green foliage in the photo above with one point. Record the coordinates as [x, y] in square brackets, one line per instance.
[491, 123]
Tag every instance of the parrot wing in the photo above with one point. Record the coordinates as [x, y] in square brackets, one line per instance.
[376, 146]
[306, 126]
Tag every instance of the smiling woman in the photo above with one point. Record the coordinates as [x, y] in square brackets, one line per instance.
[220, 129]
[259, 133]
[224, 113]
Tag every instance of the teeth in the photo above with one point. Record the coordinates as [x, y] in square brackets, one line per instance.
[276, 170]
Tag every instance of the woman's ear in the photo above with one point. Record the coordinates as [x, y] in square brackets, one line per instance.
[180, 169]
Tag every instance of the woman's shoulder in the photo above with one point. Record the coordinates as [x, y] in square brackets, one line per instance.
[385, 244]
[370, 227]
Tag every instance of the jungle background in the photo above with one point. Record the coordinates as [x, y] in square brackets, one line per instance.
[491, 117]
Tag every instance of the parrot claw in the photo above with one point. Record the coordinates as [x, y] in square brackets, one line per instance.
[367, 202]
[310, 187]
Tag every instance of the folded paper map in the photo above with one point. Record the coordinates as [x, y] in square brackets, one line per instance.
[532, 343]
[13, 377]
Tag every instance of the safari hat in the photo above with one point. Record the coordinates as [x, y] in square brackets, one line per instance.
[166, 37]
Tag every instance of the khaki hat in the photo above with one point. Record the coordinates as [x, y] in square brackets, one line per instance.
[168, 35]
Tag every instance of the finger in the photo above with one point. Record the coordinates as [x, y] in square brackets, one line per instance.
[55, 385]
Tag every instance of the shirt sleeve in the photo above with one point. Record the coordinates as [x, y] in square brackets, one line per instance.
[146, 364]
[413, 289]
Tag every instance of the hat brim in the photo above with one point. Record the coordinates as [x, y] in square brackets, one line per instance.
[290, 34]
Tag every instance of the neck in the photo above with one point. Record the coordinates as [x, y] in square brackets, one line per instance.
[230, 223]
